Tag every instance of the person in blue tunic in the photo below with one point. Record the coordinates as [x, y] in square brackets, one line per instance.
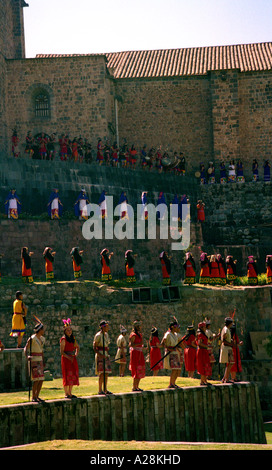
[80, 205]
[255, 170]
[12, 205]
[266, 171]
[223, 173]
[144, 204]
[103, 204]
[183, 211]
[240, 172]
[123, 202]
[202, 174]
[162, 211]
[54, 206]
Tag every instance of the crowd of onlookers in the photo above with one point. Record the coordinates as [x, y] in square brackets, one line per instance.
[50, 147]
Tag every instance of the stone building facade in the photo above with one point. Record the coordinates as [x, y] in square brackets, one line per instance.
[210, 102]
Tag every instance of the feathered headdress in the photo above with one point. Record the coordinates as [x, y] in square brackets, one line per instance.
[66, 322]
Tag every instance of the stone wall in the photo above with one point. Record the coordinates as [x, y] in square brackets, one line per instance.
[89, 302]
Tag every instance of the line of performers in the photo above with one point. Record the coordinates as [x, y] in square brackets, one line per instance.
[194, 349]
[214, 270]
[233, 173]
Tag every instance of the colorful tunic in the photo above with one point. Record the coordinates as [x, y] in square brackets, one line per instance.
[18, 319]
[226, 353]
[36, 353]
[237, 366]
[155, 354]
[106, 271]
[252, 275]
[203, 364]
[189, 267]
[137, 360]
[214, 273]
[70, 374]
[26, 268]
[122, 350]
[172, 361]
[231, 270]
[166, 269]
[200, 212]
[99, 360]
[204, 277]
[49, 271]
[190, 354]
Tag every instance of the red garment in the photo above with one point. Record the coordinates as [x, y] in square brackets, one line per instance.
[214, 269]
[137, 360]
[205, 270]
[76, 267]
[203, 364]
[190, 354]
[105, 267]
[189, 270]
[200, 213]
[70, 374]
[129, 271]
[237, 366]
[26, 272]
[222, 273]
[165, 273]
[251, 270]
[155, 354]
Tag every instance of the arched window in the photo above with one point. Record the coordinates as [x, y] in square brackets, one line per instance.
[42, 105]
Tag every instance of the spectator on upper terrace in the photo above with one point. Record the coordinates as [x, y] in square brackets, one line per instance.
[15, 144]
[100, 155]
[133, 155]
[29, 148]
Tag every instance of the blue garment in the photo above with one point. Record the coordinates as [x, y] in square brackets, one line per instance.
[12, 196]
[82, 195]
[53, 196]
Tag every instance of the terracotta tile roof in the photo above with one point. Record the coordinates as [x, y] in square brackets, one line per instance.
[189, 61]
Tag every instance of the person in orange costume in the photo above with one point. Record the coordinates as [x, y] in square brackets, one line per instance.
[105, 261]
[190, 269]
[252, 272]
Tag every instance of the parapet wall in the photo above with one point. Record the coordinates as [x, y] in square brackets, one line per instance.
[218, 413]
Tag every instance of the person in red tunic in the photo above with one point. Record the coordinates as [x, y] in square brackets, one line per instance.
[237, 366]
[137, 360]
[166, 268]
[252, 272]
[200, 211]
[231, 269]
[100, 155]
[190, 352]
[268, 263]
[190, 269]
[214, 271]
[69, 349]
[77, 259]
[63, 143]
[202, 354]
[222, 269]
[204, 277]
[155, 352]
[26, 264]
[129, 265]
[15, 144]
[49, 257]
[105, 262]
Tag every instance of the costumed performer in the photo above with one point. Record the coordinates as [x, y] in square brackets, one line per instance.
[200, 211]
[18, 318]
[214, 271]
[204, 277]
[137, 360]
[266, 171]
[26, 264]
[162, 211]
[231, 269]
[223, 173]
[49, 257]
[240, 172]
[222, 269]
[102, 202]
[237, 366]
[155, 352]
[211, 338]
[2, 346]
[144, 202]
[268, 262]
[13, 205]
[190, 269]
[203, 365]
[69, 349]
[123, 203]
[81, 205]
[129, 265]
[183, 209]
[54, 206]
[172, 360]
[190, 352]
[202, 174]
[252, 272]
[105, 262]
[34, 352]
[77, 259]
[121, 353]
[255, 171]
[232, 172]
[102, 359]
[166, 268]
[226, 352]
[15, 144]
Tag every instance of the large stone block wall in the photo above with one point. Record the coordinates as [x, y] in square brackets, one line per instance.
[81, 102]
[89, 302]
[172, 112]
[216, 414]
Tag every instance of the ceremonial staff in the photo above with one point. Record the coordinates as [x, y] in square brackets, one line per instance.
[184, 338]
